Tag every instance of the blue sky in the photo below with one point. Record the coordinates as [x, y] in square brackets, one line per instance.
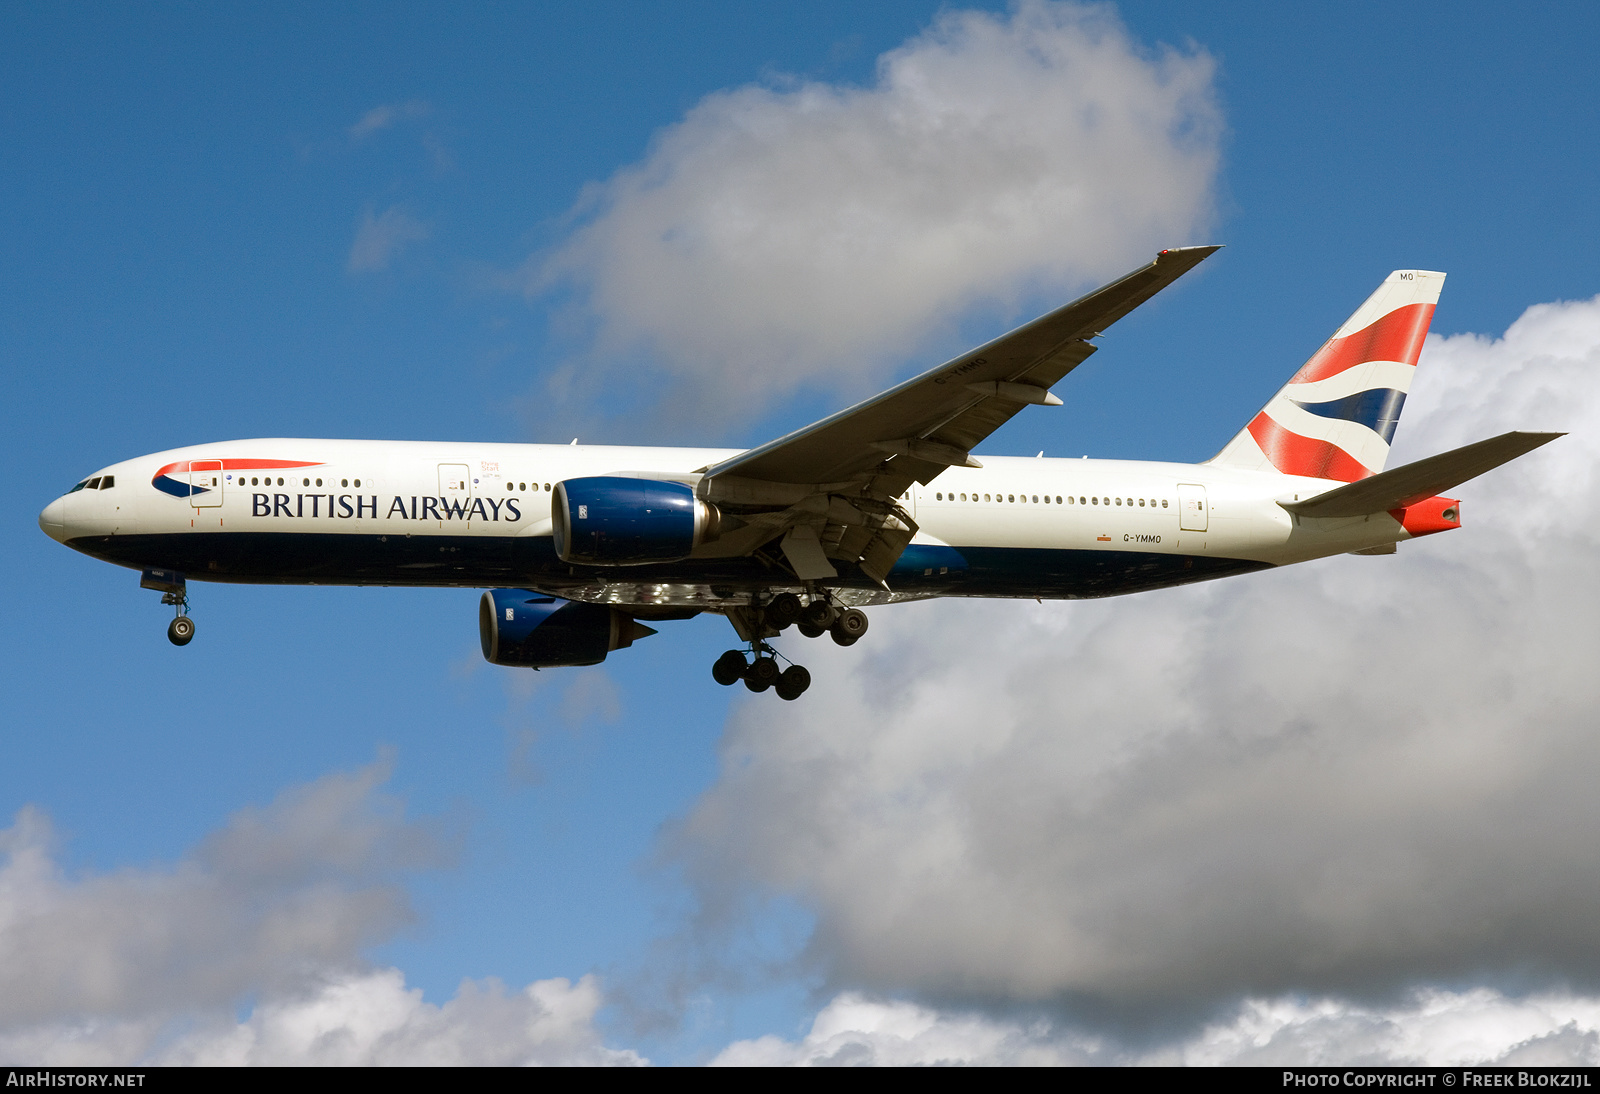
[300, 221]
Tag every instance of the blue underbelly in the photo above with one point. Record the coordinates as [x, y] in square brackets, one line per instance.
[291, 558]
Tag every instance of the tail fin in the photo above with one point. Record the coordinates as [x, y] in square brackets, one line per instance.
[1335, 418]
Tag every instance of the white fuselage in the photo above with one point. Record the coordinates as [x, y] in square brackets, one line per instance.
[425, 513]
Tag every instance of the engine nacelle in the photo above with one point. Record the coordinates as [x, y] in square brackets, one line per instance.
[533, 630]
[613, 521]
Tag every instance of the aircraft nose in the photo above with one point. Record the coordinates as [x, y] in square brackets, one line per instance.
[53, 521]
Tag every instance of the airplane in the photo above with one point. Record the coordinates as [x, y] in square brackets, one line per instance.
[580, 547]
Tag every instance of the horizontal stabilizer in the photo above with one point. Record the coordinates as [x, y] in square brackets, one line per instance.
[1405, 486]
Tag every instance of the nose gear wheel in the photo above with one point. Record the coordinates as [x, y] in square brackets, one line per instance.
[180, 632]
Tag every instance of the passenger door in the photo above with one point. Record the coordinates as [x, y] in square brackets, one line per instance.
[205, 483]
[1191, 507]
[455, 488]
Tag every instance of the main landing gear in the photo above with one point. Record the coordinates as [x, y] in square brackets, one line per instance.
[761, 673]
[759, 669]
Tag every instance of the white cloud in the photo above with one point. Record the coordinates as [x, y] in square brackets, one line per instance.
[379, 238]
[360, 1018]
[276, 895]
[1432, 1028]
[384, 115]
[1351, 778]
[779, 236]
[372, 1019]
[854, 1030]
[148, 966]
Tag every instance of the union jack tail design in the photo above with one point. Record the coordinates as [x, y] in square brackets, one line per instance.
[1335, 418]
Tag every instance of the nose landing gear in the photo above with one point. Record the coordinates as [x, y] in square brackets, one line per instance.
[174, 591]
[181, 630]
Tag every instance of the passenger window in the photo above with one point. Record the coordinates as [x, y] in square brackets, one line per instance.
[1141, 503]
[938, 497]
[1094, 501]
[1163, 503]
[1058, 499]
[358, 484]
[1036, 499]
[1119, 501]
[1069, 499]
[1047, 499]
[344, 482]
[546, 486]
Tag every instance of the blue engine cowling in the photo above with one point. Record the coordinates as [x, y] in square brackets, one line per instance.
[533, 630]
[614, 521]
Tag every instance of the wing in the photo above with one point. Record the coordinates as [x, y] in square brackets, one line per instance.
[833, 488]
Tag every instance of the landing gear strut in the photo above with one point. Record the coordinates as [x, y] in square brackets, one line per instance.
[762, 673]
[758, 667]
[181, 630]
[174, 591]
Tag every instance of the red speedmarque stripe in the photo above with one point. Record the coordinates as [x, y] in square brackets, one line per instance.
[1293, 454]
[239, 464]
[1397, 336]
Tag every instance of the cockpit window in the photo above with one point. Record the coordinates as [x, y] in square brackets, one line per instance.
[80, 486]
[108, 482]
[93, 484]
